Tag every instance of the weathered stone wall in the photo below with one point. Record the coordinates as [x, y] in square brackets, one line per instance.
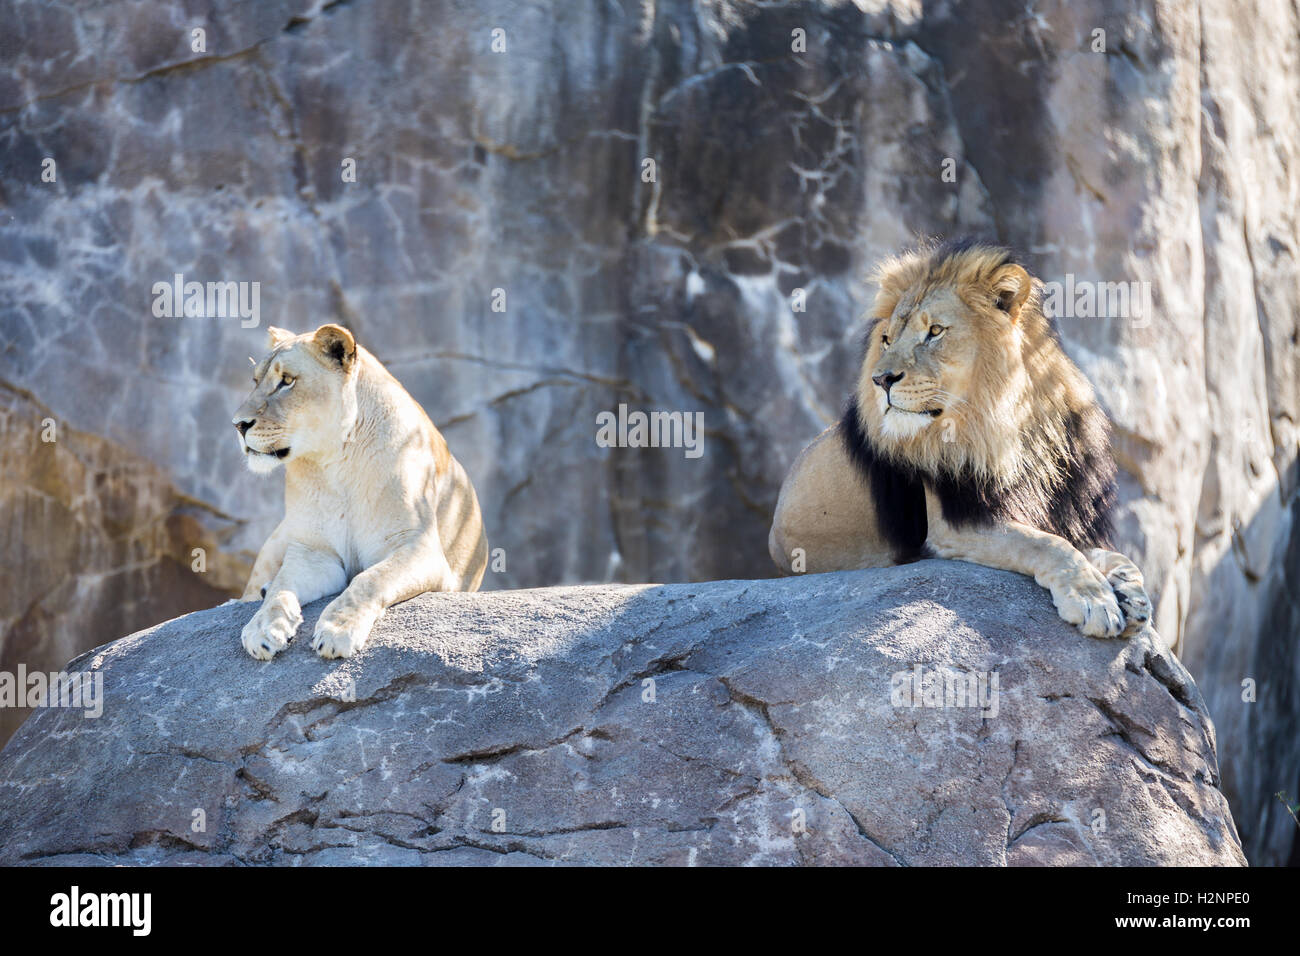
[1170, 158]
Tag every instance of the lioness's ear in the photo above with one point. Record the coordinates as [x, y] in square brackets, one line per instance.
[1011, 287]
[337, 344]
[276, 337]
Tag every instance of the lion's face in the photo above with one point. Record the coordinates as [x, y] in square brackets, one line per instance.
[944, 374]
[921, 360]
[302, 399]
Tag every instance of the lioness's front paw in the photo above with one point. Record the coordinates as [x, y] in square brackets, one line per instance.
[1084, 598]
[341, 631]
[269, 630]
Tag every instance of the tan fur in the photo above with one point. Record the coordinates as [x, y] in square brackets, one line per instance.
[825, 520]
[961, 407]
[375, 505]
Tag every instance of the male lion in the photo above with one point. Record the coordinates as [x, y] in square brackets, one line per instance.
[972, 436]
[372, 495]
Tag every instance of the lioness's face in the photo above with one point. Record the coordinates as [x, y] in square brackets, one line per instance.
[297, 405]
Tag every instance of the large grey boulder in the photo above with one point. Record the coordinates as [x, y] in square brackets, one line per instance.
[733, 722]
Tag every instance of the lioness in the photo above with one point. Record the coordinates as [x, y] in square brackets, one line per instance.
[374, 501]
[970, 435]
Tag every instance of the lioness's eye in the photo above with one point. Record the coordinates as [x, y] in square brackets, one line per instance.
[285, 381]
[936, 331]
[884, 340]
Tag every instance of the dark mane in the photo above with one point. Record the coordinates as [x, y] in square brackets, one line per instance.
[939, 251]
[897, 491]
[1078, 509]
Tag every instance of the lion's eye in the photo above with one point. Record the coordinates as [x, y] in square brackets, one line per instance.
[884, 340]
[285, 381]
[936, 331]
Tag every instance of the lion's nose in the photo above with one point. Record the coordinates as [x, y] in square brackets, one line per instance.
[244, 425]
[886, 379]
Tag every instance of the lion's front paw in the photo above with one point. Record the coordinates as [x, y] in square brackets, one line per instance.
[1126, 581]
[1084, 598]
[341, 631]
[269, 630]
[1136, 607]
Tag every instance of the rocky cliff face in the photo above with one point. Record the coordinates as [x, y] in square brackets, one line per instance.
[938, 713]
[509, 252]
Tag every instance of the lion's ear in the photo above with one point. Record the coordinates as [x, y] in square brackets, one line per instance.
[336, 344]
[276, 337]
[1011, 287]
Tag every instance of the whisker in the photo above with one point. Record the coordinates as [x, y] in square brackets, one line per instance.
[950, 397]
